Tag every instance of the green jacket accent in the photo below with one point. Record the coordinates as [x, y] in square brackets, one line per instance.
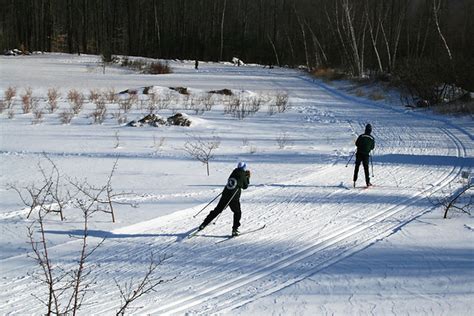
[365, 143]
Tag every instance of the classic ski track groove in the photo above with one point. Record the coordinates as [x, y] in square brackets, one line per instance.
[104, 262]
[330, 239]
[231, 285]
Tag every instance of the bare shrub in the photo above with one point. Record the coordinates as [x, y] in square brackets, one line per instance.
[10, 94]
[53, 96]
[117, 140]
[3, 106]
[26, 100]
[38, 114]
[283, 140]
[281, 102]
[121, 118]
[11, 113]
[459, 200]
[376, 96]
[94, 95]
[359, 92]
[111, 95]
[255, 103]
[208, 101]
[164, 101]
[152, 104]
[158, 68]
[158, 143]
[130, 292]
[76, 100]
[252, 149]
[66, 288]
[66, 116]
[100, 112]
[240, 107]
[328, 74]
[457, 107]
[127, 104]
[201, 149]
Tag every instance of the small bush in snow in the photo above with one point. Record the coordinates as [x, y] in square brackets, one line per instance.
[2, 106]
[10, 94]
[283, 140]
[100, 112]
[38, 114]
[252, 149]
[127, 104]
[359, 93]
[376, 96]
[76, 100]
[11, 113]
[281, 102]
[121, 118]
[158, 143]
[66, 116]
[208, 101]
[152, 103]
[53, 95]
[111, 95]
[158, 68]
[27, 101]
[94, 94]
[255, 103]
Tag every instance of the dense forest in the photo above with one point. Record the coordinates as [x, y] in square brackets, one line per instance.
[360, 37]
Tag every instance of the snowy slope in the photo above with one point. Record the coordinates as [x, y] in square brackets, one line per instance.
[326, 248]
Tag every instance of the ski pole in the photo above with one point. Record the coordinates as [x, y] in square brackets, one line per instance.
[207, 205]
[372, 165]
[214, 222]
[350, 159]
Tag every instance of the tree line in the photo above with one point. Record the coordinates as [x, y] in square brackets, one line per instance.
[358, 36]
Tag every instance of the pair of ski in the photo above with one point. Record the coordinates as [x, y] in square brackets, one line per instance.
[226, 238]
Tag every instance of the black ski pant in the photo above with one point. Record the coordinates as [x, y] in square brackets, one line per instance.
[234, 205]
[364, 159]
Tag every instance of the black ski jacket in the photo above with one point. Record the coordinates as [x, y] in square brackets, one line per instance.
[365, 143]
[238, 180]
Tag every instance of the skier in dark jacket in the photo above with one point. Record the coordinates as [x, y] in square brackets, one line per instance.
[365, 143]
[238, 180]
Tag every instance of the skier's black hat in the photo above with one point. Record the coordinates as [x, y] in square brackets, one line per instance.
[368, 129]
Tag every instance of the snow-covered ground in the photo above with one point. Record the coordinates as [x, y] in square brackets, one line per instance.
[326, 248]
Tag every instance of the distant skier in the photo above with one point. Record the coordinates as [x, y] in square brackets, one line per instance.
[238, 180]
[365, 143]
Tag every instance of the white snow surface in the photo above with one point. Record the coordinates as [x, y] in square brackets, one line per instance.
[327, 248]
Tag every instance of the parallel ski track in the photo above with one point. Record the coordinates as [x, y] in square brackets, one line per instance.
[227, 292]
[326, 241]
[17, 293]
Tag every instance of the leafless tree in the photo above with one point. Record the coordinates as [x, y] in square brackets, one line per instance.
[458, 200]
[66, 287]
[131, 291]
[202, 149]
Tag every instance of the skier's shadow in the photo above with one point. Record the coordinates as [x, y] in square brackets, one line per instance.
[183, 236]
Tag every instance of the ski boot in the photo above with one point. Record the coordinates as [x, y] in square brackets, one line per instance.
[235, 232]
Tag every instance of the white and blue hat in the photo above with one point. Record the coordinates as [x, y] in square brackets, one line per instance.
[242, 165]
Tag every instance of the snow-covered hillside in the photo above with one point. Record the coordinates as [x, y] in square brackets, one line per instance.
[326, 248]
